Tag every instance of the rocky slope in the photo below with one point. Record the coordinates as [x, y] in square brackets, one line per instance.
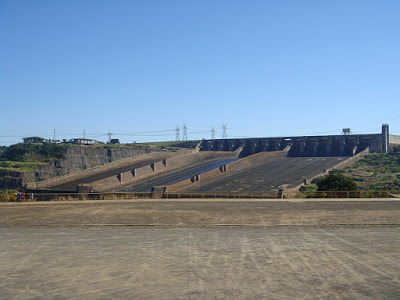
[77, 157]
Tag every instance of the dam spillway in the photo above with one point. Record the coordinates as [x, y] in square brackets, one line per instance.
[249, 164]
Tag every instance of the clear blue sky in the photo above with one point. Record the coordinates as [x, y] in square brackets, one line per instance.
[140, 68]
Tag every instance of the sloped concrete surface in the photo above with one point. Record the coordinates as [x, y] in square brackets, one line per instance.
[176, 175]
[288, 172]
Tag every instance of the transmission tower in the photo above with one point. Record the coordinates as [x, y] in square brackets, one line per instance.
[178, 138]
[184, 136]
[84, 133]
[54, 136]
[109, 136]
[213, 133]
[224, 131]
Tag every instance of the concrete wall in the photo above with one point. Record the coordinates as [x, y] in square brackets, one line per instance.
[155, 169]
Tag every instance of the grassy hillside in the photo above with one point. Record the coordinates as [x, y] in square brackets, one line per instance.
[25, 157]
[30, 152]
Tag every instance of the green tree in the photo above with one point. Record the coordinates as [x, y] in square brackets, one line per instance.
[114, 141]
[14, 152]
[336, 182]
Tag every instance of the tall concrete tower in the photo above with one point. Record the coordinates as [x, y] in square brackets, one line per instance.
[385, 138]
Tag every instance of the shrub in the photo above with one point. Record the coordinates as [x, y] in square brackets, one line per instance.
[336, 182]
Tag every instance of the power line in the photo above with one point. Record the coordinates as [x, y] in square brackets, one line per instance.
[182, 132]
[146, 132]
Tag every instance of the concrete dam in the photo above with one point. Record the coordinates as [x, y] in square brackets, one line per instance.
[227, 165]
[317, 146]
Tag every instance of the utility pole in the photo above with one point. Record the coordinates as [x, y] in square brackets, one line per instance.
[109, 136]
[184, 137]
[84, 133]
[177, 138]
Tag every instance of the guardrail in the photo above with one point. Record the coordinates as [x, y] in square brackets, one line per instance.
[200, 195]
[131, 195]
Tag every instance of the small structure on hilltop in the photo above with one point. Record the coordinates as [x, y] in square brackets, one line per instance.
[33, 139]
[84, 141]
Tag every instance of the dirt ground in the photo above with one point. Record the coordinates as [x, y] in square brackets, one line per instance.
[192, 212]
[200, 249]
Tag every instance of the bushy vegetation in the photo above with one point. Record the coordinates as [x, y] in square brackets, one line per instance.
[309, 188]
[373, 176]
[336, 182]
[29, 152]
[18, 166]
[380, 163]
[377, 171]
